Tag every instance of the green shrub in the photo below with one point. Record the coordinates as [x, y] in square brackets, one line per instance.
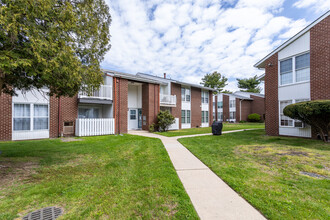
[164, 120]
[152, 127]
[242, 121]
[315, 113]
[254, 117]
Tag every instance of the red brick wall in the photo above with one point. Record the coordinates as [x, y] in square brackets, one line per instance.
[150, 104]
[225, 101]
[69, 113]
[246, 109]
[5, 117]
[176, 111]
[320, 60]
[258, 106]
[237, 109]
[210, 108]
[121, 105]
[196, 110]
[216, 108]
[271, 94]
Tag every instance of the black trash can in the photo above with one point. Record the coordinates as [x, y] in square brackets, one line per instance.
[217, 128]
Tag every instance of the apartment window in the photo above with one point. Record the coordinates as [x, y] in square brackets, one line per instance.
[232, 115]
[22, 117]
[285, 121]
[213, 116]
[220, 104]
[132, 114]
[88, 112]
[40, 117]
[185, 116]
[205, 116]
[232, 103]
[185, 94]
[205, 97]
[286, 71]
[302, 67]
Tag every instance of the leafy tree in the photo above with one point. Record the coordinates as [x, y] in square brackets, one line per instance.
[57, 44]
[249, 84]
[164, 120]
[315, 113]
[227, 91]
[215, 81]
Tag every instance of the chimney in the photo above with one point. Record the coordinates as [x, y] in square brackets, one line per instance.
[164, 75]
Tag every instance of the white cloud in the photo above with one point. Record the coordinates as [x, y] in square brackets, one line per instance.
[188, 38]
[318, 6]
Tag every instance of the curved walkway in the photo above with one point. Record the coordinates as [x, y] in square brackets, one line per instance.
[211, 196]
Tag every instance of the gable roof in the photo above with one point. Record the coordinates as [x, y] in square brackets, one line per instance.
[261, 63]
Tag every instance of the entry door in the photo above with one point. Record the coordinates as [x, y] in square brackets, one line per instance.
[133, 119]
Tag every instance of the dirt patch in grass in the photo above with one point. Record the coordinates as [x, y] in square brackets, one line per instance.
[13, 172]
[294, 153]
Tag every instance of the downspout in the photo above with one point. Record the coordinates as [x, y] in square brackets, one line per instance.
[240, 110]
[119, 105]
[59, 116]
[115, 98]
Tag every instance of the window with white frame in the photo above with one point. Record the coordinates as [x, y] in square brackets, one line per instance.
[302, 67]
[232, 115]
[286, 71]
[185, 94]
[220, 104]
[22, 117]
[285, 121]
[28, 117]
[205, 97]
[295, 69]
[232, 103]
[185, 116]
[205, 116]
[40, 117]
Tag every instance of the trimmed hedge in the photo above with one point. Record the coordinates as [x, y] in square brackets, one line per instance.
[315, 113]
[254, 117]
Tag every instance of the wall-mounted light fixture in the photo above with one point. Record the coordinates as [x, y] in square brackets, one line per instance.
[270, 64]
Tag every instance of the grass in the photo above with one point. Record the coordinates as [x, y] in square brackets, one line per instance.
[226, 127]
[105, 177]
[266, 171]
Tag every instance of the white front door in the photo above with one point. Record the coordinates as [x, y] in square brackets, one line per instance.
[133, 119]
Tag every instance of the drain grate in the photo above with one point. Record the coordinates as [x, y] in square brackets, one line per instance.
[49, 213]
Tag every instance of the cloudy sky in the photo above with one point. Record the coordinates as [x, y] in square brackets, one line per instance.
[189, 38]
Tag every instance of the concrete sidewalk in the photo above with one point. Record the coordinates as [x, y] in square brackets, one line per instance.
[211, 197]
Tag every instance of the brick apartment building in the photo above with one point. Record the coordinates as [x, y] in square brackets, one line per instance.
[124, 102]
[298, 70]
[237, 106]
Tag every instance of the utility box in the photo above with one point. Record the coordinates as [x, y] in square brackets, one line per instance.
[216, 128]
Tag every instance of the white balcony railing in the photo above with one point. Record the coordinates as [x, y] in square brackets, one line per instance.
[104, 92]
[167, 99]
[94, 126]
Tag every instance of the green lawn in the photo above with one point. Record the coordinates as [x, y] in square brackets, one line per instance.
[105, 177]
[226, 127]
[266, 171]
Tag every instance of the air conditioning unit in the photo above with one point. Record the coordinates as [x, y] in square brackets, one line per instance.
[299, 124]
[68, 128]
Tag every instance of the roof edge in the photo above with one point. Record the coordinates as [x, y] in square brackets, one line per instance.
[290, 40]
